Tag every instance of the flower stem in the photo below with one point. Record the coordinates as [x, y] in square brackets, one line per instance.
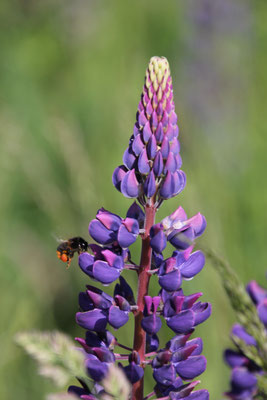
[149, 395]
[152, 354]
[143, 283]
[123, 347]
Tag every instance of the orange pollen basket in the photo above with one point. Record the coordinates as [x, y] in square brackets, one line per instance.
[64, 257]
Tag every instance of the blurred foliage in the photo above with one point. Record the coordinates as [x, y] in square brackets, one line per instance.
[71, 74]
[56, 354]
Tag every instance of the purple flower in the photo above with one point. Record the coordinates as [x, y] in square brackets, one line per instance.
[124, 289]
[114, 236]
[92, 339]
[181, 312]
[100, 309]
[244, 370]
[82, 393]
[151, 173]
[151, 163]
[105, 266]
[85, 393]
[179, 360]
[178, 230]
[108, 228]
[259, 297]
[152, 343]
[170, 278]
[151, 323]
[180, 266]
[134, 371]
[97, 363]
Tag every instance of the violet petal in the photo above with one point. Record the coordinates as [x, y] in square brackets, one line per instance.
[159, 133]
[182, 322]
[146, 133]
[86, 262]
[256, 292]
[94, 320]
[136, 212]
[138, 145]
[100, 233]
[113, 259]
[171, 281]
[129, 158]
[158, 242]
[165, 148]
[96, 369]
[152, 343]
[262, 311]
[117, 317]
[118, 175]
[143, 164]
[202, 312]
[243, 378]
[234, 359]
[125, 238]
[175, 146]
[151, 324]
[240, 332]
[192, 367]
[179, 181]
[158, 164]
[150, 185]
[133, 372]
[152, 148]
[129, 184]
[165, 375]
[181, 240]
[104, 273]
[167, 188]
[170, 164]
[193, 265]
[109, 220]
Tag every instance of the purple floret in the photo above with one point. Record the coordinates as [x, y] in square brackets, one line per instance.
[244, 371]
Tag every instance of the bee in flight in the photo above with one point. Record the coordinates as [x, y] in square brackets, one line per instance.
[67, 248]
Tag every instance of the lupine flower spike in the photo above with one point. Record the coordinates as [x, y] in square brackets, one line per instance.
[150, 173]
[151, 163]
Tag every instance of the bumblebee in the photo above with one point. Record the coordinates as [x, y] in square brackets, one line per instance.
[67, 248]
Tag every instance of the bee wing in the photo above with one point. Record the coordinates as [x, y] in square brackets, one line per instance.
[56, 238]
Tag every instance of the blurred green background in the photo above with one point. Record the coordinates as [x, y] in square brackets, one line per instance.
[71, 74]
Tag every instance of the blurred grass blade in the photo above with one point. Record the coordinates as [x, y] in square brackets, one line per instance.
[55, 353]
[244, 308]
[61, 396]
[116, 385]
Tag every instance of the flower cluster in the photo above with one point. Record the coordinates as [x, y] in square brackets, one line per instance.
[244, 371]
[151, 174]
[181, 358]
[178, 230]
[152, 161]
[114, 236]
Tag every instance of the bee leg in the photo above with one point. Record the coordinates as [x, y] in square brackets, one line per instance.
[70, 256]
